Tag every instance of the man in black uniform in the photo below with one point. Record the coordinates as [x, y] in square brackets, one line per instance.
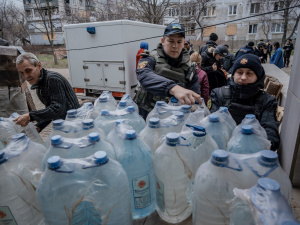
[288, 48]
[244, 96]
[166, 72]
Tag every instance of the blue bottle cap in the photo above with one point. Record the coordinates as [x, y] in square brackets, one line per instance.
[94, 137]
[219, 157]
[250, 116]
[104, 112]
[58, 123]
[122, 103]
[56, 140]
[223, 109]
[213, 118]
[154, 122]
[180, 115]
[88, 104]
[2, 154]
[199, 133]
[160, 103]
[172, 139]
[174, 100]
[268, 184]
[289, 222]
[88, 123]
[268, 156]
[18, 136]
[102, 99]
[247, 129]
[100, 157]
[72, 113]
[130, 134]
[186, 108]
[54, 162]
[130, 108]
[119, 121]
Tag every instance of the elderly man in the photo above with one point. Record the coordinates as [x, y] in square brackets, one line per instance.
[167, 72]
[53, 90]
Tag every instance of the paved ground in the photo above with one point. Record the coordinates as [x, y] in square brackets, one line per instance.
[154, 219]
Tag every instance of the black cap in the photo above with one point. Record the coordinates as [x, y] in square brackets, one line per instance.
[213, 37]
[251, 43]
[251, 62]
[174, 28]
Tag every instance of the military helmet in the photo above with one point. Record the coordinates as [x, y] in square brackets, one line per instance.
[221, 50]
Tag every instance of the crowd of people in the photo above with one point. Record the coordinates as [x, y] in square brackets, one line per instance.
[223, 78]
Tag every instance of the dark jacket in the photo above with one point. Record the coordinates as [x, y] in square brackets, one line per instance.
[56, 93]
[269, 48]
[244, 50]
[249, 96]
[215, 78]
[260, 54]
[208, 43]
[288, 50]
[159, 85]
[228, 62]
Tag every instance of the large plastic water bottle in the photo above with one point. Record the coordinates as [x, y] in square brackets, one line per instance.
[87, 127]
[110, 97]
[92, 190]
[77, 147]
[225, 114]
[213, 189]
[103, 103]
[265, 164]
[134, 119]
[129, 102]
[72, 115]
[173, 123]
[247, 141]
[20, 170]
[153, 134]
[267, 204]
[202, 144]
[217, 129]
[173, 168]
[136, 159]
[118, 133]
[250, 119]
[7, 130]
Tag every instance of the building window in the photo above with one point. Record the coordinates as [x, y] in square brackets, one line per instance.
[74, 2]
[278, 5]
[170, 12]
[254, 8]
[210, 11]
[252, 29]
[232, 10]
[277, 28]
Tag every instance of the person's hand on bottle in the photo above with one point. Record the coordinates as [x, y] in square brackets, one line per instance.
[22, 120]
[185, 96]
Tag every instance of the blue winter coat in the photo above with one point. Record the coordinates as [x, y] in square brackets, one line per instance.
[277, 58]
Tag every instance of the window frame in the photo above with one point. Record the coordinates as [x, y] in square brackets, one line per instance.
[252, 28]
[210, 9]
[231, 9]
[278, 28]
[278, 5]
[255, 8]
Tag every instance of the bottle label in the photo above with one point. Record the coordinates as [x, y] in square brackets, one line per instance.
[160, 198]
[141, 191]
[6, 217]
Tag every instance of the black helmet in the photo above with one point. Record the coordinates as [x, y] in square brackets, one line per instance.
[221, 50]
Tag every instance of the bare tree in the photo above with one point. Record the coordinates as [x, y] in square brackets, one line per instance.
[150, 11]
[290, 15]
[45, 25]
[266, 20]
[12, 25]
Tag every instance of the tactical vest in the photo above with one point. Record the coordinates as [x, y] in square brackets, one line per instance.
[239, 111]
[146, 100]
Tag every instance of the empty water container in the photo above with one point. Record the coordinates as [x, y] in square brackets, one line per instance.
[92, 190]
[20, 171]
[136, 159]
[173, 123]
[173, 168]
[248, 141]
[225, 114]
[129, 102]
[105, 102]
